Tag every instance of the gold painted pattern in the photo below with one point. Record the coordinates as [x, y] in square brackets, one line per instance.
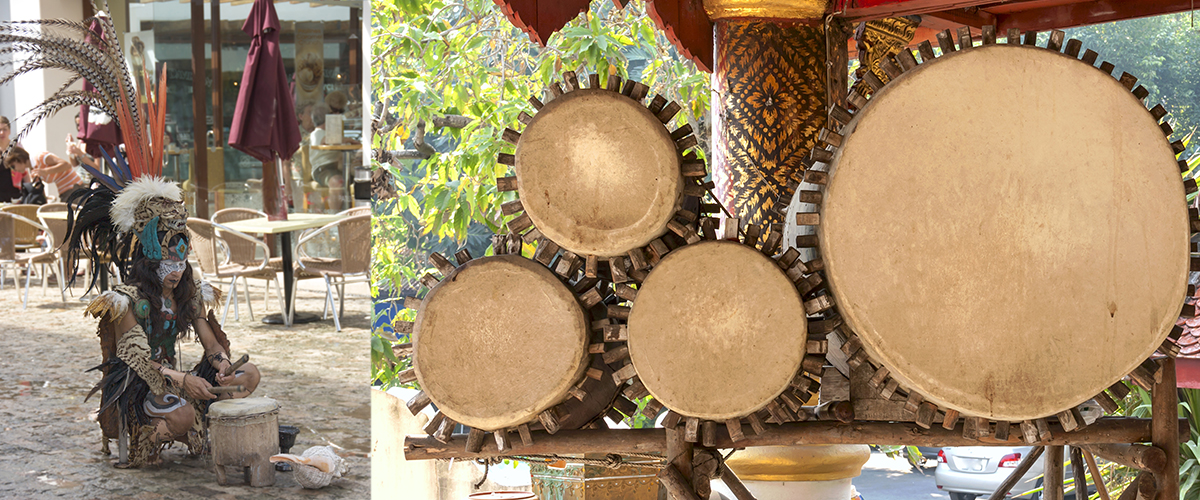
[770, 85]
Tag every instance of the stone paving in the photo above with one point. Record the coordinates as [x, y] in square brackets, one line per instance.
[50, 449]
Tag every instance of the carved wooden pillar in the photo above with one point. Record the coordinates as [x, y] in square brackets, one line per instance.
[769, 102]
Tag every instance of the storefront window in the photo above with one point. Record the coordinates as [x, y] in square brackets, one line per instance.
[321, 45]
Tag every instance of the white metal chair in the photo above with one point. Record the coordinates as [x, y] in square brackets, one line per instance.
[354, 242]
[204, 243]
[11, 227]
[239, 251]
[56, 234]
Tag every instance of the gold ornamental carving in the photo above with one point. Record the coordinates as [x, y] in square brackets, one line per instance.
[768, 9]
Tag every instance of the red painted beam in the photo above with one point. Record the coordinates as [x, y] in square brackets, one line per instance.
[688, 27]
[1187, 372]
[1081, 14]
[901, 8]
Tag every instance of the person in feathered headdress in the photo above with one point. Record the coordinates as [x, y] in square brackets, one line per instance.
[135, 220]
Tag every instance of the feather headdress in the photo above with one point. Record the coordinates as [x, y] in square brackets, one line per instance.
[131, 208]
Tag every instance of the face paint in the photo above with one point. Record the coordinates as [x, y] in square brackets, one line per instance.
[167, 267]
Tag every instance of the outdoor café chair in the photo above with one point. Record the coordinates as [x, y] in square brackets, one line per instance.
[239, 251]
[56, 234]
[353, 238]
[204, 244]
[12, 224]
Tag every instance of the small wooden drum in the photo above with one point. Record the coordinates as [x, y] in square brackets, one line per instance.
[245, 433]
[717, 330]
[597, 171]
[499, 341]
[1017, 245]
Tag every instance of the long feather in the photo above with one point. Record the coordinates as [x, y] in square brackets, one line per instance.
[120, 175]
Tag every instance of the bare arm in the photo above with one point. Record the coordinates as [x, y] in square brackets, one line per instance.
[139, 360]
[213, 352]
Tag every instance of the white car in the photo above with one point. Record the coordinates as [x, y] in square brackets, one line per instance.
[969, 471]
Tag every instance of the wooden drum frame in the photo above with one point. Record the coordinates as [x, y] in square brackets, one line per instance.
[947, 264]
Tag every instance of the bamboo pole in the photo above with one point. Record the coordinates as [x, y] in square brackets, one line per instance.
[1097, 478]
[1164, 408]
[1137, 456]
[1052, 483]
[680, 454]
[1079, 472]
[1105, 430]
[739, 490]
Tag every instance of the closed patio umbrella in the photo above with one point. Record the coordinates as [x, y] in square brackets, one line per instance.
[264, 122]
[98, 130]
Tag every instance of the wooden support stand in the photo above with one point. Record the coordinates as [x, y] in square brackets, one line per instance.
[1164, 406]
[1053, 483]
[1105, 430]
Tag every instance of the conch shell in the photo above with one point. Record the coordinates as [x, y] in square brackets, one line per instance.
[321, 462]
[316, 467]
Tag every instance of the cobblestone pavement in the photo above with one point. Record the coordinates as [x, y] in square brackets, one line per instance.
[49, 448]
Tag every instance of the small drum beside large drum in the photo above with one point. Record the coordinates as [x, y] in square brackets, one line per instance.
[1015, 247]
[499, 341]
[244, 434]
[717, 330]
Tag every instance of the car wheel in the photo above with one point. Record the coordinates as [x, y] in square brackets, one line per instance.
[954, 495]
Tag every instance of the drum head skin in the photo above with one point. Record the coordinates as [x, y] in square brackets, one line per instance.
[717, 330]
[598, 173]
[1005, 229]
[241, 407]
[498, 341]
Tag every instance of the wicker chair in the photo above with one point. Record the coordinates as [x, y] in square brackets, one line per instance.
[56, 233]
[354, 236]
[26, 236]
[204, 243]
[12, 225]
[239, 251]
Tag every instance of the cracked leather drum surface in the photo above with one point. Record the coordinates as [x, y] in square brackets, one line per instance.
[598, 173]
[717, 330]
[498, 341]
[1005, 229]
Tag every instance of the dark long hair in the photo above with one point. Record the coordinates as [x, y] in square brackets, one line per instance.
[143, 273]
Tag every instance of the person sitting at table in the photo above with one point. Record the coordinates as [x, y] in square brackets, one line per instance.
[326, 164]
[48, 168]
[10, 181]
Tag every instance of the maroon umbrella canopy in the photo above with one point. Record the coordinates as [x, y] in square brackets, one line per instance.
[94, 132]
[264, 123]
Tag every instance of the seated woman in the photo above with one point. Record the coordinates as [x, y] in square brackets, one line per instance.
[48, 167]
[144, 391]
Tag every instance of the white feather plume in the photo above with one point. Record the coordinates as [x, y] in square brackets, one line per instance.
[136, 192]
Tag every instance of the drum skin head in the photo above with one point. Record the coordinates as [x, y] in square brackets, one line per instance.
[1005, 229]
[498, 341]
[241, 407]
[717, 330]
[598, 173]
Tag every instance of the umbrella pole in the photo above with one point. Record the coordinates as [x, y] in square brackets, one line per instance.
[273, 199]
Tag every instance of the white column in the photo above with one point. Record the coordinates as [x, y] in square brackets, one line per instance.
[33, 88]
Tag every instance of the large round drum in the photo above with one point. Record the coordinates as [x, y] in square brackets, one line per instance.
[598, 173]
[1005, 230]
[498, 341]
[717, 330]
